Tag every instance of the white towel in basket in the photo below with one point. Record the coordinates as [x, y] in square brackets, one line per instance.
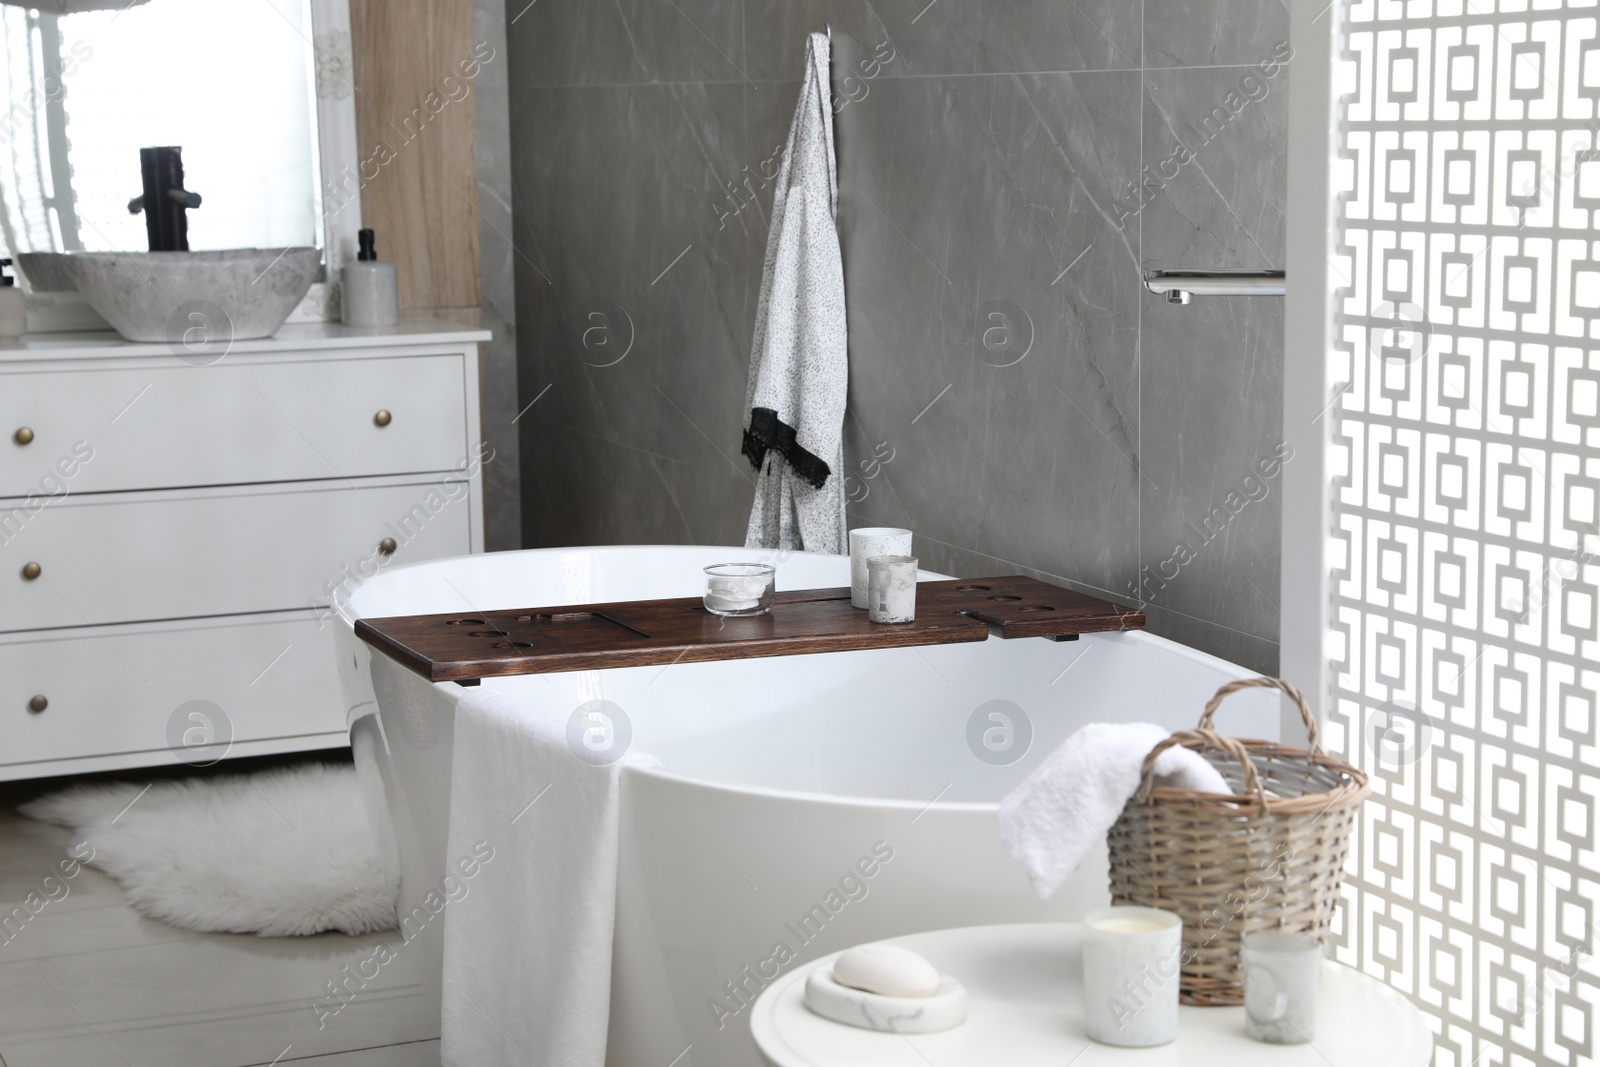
[1061, 810]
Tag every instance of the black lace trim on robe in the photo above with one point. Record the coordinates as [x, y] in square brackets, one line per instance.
[766, 433]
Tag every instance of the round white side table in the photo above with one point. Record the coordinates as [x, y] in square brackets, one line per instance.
[1026, 987]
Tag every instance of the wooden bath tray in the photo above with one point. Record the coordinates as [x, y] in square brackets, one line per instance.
[464, 647]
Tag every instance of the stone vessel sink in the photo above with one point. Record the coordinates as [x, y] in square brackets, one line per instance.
[46, 271]
[234, 294]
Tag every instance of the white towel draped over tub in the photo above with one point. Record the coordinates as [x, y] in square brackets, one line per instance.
[799, 368]
[527, 947]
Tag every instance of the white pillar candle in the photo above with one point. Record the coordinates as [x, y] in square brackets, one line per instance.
[1280, 986]
[869, 541]
[892, 588]
[1131, 961]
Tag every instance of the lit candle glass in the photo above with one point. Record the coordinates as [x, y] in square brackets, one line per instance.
[1131, 960]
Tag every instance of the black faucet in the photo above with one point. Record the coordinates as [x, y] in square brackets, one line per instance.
[165, 202]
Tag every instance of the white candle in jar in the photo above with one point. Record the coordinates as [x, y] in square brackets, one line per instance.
[869, 541]
[1131, 961]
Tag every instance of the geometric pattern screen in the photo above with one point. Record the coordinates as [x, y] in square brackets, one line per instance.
[1465, 544]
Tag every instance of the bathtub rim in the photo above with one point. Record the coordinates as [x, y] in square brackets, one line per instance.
[342, 605]
[649, 765]
[810, 797]
[453, 693]
[659, 770]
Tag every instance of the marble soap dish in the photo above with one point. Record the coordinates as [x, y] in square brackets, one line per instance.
[944, 1010]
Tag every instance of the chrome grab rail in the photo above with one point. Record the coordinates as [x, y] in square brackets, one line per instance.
[1179, 286]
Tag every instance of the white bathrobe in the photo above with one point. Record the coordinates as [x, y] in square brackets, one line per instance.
[799, 368]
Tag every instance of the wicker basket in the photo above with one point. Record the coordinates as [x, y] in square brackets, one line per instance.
[1269, 858]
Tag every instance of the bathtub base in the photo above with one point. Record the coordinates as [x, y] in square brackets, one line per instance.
[701, 933]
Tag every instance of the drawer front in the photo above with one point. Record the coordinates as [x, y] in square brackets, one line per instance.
[231, 423]
[113, 559]
[120, 691]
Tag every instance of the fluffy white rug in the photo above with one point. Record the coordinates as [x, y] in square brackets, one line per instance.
[278, 853]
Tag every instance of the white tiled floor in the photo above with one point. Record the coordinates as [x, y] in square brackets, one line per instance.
[87, 982]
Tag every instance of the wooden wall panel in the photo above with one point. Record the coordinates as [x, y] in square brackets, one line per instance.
[416, 123]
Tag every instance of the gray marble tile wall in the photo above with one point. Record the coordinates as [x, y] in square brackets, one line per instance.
[1007, 168]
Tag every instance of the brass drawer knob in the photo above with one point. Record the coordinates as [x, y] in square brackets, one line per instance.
[23, 436]
[30, 571]
[38, 704]
[387, 546]
[383, 418]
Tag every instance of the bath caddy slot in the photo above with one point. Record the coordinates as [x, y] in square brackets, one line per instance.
[467, 646]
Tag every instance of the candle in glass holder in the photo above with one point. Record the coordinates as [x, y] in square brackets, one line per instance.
[1281, 972]
[892, 588]
[1131, 960]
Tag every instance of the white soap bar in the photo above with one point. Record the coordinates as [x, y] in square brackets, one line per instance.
[887, 970]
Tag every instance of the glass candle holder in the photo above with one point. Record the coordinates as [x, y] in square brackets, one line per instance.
[892, 588]
[1131, 961]
[869, 541]
[1281, 974]
[740, 588]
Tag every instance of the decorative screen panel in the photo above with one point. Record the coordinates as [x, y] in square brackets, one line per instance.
[1465, 548]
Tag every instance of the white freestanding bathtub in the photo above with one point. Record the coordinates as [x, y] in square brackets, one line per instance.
[783, 781]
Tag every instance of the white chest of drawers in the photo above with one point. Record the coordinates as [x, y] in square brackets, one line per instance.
[170, 534]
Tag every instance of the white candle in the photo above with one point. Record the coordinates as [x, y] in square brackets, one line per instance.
[1131, 961]
[869, 541]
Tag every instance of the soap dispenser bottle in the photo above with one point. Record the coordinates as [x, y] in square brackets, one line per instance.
[371, 289]
[13, 305]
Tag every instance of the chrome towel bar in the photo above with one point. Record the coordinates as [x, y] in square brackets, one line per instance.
[1179, 286]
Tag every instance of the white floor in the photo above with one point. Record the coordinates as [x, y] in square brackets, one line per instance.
[87, 981]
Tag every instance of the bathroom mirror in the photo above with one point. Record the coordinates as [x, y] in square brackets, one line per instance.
[259, 95]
